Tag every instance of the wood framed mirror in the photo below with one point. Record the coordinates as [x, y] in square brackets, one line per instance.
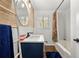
[22, 12]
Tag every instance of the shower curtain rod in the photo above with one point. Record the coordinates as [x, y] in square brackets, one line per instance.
[59, 5]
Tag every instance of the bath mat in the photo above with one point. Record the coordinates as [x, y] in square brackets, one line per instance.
[53, 55]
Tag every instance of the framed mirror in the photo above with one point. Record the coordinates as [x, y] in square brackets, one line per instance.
[22, 13]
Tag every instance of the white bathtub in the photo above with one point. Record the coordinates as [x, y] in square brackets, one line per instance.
[63, 51]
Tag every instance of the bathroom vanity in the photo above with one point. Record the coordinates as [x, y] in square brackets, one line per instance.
[33, 47]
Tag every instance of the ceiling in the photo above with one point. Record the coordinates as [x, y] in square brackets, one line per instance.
[45, 4]
[48, 4]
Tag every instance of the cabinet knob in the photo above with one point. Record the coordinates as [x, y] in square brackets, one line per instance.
[77, 40]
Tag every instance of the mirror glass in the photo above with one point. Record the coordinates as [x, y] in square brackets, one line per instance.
[22, 13]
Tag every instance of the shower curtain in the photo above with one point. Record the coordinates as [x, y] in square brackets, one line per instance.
[6, 43]
[54, 29]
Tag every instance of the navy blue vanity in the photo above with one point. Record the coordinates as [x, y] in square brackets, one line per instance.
[33, 47]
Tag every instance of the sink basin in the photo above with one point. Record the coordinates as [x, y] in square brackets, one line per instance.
[34, 38]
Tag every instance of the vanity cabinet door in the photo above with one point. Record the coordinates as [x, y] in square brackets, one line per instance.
[32, 50]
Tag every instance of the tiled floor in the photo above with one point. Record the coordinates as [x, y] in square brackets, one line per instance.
[49, 49]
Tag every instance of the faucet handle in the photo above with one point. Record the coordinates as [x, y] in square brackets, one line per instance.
[30, 32]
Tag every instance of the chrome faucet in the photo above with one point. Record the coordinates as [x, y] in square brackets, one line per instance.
[28, 34]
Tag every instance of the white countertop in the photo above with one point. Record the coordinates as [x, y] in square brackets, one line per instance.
[34, 38]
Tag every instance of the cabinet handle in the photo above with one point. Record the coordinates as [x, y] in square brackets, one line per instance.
[77, 40]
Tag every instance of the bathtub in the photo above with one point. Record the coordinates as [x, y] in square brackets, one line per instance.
[62, 50]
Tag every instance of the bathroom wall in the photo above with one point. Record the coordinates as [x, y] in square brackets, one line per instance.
[64, 25]
[6, 3]
[7, 17]
[74, 24]
[24, 30]
[39, 30]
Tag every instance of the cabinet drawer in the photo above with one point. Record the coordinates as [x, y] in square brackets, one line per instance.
[32, 50]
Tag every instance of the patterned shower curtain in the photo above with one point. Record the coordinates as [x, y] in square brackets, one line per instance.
[54, 29]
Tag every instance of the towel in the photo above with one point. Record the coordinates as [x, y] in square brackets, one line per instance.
[6, 41]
